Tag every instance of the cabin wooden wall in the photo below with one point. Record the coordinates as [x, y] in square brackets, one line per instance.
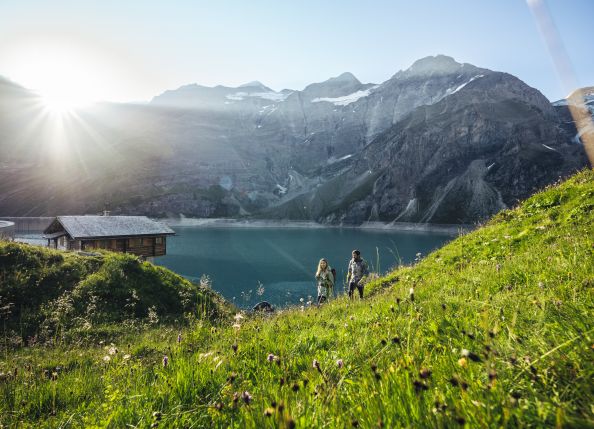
[141, 246]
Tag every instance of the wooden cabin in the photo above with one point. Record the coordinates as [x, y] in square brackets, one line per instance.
[129, 234]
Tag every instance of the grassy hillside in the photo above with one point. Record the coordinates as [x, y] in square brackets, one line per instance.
[495, 329]
[48, 295]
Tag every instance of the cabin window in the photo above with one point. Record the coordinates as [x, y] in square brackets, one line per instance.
[147, 241]
[135, 242]
[159, 240]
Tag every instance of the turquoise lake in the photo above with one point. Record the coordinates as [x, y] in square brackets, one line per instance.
[249, 265]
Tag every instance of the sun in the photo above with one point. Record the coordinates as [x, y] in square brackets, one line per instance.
[66, 85]
[64, 78]
[62, 104]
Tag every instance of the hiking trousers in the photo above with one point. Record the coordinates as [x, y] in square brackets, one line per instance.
[324, 293]
[352, 286]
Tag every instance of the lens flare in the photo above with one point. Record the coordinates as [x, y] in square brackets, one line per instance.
[575, 100]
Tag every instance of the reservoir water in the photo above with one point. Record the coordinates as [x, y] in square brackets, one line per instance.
[249, 265]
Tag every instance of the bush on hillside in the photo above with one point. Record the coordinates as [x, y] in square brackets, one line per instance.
[44, 291]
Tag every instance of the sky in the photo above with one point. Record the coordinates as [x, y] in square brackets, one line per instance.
[135, 49]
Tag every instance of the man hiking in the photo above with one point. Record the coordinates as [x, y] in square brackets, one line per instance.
[357, 270]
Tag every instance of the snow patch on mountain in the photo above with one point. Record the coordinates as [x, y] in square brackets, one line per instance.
[588, 101]
[238, 96]
[333, 160]
[581, 96]
[562, 102]
[345, 100]
[268, 110]
[273, 96]
[451, 91]
[550, 148]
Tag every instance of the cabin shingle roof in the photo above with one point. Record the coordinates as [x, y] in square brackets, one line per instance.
[112, 226]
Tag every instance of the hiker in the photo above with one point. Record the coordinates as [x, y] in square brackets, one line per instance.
[325, 279]
[357, 270]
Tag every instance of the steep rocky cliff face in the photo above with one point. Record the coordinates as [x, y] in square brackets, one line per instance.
[439, 142]
[477, 150]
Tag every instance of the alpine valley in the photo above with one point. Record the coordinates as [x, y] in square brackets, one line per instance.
[440, 142]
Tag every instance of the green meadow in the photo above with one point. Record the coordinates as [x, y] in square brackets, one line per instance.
[495, 329]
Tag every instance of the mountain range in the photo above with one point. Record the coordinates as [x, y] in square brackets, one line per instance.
[440, 142]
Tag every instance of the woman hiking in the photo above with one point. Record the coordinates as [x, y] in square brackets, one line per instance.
[325, 280]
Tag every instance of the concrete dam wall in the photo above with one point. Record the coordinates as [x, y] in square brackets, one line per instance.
[28, 225]
[7, 230]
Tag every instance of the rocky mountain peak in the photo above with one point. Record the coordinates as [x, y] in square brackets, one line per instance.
[437, 62]
[255, 84]
[582, 95]
[4, 80]
[585, 91]
[577, 97]
[8, 88]
[341, 85]
[346, 77]
[7, 83]
[434, 65]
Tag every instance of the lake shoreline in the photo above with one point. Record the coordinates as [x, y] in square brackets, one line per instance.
[261, 223]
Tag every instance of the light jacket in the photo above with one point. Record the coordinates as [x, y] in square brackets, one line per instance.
[358, 268]
[325, 278]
